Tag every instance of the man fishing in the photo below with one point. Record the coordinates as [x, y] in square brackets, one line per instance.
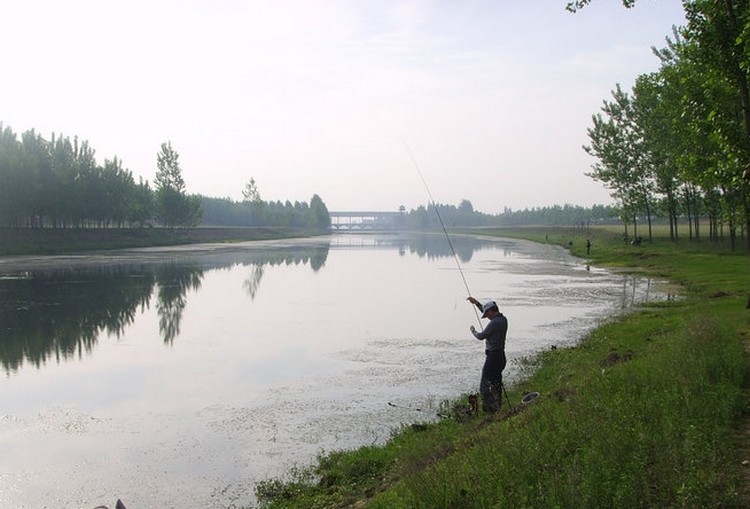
[491, 384]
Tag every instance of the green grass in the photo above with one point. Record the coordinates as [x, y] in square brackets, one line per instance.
[645, 412]
[652, 431]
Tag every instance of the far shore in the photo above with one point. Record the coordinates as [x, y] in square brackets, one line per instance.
[55, 241]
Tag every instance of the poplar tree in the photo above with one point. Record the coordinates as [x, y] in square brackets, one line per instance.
[319, 215]
[173, 206]
[623, 163]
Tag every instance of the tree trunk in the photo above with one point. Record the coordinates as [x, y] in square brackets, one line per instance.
[672, 213]
[689, 210]
[696, 215]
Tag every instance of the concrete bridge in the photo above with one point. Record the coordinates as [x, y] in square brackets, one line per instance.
[369, 221]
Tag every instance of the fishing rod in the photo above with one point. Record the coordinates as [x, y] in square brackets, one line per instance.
[450, 243]
[442, 224]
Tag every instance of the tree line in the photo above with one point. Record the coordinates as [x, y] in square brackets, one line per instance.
[465, 216]
[227, 212]
[679, 141]
[57, 183]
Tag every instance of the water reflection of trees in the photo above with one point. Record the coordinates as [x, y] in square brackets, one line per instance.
[173, 282]
[252, 282]
[315, 257]
[59, 314]
[638, 289]
[432, 246]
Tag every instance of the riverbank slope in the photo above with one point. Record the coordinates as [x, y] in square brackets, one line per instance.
[649, 410]
[42, 241]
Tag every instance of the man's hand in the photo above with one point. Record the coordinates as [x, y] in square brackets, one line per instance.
[472, 329]
[473, 300]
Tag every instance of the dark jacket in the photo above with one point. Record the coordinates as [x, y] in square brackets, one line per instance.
[494, 333]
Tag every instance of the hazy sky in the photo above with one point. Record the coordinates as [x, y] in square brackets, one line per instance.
[492, 97]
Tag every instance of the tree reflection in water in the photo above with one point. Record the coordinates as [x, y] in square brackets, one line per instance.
[173, 282]
[252, 282]
[58, 314]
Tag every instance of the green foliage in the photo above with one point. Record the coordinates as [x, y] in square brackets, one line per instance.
[683, 135]
[617, 143]
[58, 183]
[226, 212]
[465, 216]
[576, 5]
[339, 477]
[173, 206]
[558, 215]
[251, 193]
[319, 217]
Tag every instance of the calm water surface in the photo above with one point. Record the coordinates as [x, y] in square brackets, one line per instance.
[180, 377]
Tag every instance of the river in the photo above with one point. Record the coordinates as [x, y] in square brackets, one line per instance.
[180, 377]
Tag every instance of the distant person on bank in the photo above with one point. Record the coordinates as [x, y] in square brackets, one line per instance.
[491, 383]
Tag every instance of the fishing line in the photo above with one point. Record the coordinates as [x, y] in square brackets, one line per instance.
[404, 407]
[442, 224]
[413, 409]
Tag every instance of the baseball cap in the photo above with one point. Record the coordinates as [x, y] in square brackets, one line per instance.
[487, 306]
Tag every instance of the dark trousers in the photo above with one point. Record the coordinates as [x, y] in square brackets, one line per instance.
[491, 385]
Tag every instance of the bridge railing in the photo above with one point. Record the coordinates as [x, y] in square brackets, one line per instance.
[368, 220]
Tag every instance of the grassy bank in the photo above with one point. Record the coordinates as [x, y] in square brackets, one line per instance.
[650, 410]
[47, 241]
